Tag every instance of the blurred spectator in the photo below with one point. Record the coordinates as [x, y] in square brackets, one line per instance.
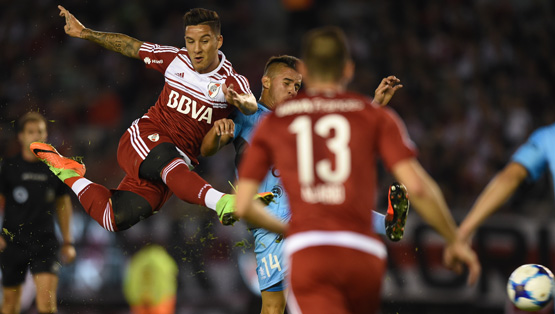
[150, 282]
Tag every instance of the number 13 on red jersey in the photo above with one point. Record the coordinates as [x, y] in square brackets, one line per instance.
[330, 188]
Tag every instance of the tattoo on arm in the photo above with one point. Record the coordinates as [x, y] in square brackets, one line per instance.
[126, 45]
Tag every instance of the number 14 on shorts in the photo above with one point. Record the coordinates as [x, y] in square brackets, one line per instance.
[273, 263]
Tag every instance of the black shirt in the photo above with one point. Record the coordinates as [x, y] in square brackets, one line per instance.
[31, 190]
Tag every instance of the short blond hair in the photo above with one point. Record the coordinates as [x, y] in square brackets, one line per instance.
[325, 52]
[32, 116]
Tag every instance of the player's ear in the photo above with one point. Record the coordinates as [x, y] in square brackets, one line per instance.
[266, 82]
[220, 40]
[349, 70]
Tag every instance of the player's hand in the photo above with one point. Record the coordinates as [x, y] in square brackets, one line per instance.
[73, 27]
[224, 127]
[68, 253]
[231, 96]
[458, 254]
[386, 90]
[3, 244]
[245, 102]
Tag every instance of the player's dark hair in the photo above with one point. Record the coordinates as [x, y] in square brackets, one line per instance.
[325, 52]
[200, 16]
[32, 116]
[288, 61]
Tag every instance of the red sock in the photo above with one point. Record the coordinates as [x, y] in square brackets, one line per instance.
[96, 201]
[184, 183]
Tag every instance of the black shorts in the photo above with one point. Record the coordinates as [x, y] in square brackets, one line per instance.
[15, 260]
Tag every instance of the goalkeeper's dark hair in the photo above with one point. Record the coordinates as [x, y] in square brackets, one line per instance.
[288, 61]
[325, 52]
[200, 16]
[32, 116]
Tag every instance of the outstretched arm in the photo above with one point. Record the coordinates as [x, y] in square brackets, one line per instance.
[245, 102]
[496, 193]
[219, 135]
[387, 88]
[429, 202]
[121, 43]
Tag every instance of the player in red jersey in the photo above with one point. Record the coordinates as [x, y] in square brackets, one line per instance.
[325, 144]
[159, 150]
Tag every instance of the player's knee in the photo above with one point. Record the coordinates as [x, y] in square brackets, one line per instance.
[273, 302]
[157, 159]
[11, 308]
[129, 208]
[273, 308]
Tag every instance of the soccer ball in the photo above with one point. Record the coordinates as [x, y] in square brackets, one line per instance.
[530, 287]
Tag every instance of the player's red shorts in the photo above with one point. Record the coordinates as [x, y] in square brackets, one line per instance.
[134, 145]
[334, 279]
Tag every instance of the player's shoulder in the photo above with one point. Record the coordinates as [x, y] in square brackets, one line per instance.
[152, 47]
[227, 70]
[226, 67]
[544, 132]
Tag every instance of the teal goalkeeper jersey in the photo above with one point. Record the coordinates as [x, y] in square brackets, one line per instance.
[538, 154]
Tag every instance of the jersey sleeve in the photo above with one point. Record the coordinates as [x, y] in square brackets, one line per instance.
[532, 155]
[241, 84]
[239, 121]
[157, 57]
[258, 156]
[394, 143]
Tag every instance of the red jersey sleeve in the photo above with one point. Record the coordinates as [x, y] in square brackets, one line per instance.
[157, 57]
[240, 83]
[394, 143]
[258, 156]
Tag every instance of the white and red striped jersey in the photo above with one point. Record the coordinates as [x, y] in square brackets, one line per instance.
[190, 102]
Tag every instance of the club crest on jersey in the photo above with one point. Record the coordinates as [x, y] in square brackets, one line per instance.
[154, 137]
[214, 89]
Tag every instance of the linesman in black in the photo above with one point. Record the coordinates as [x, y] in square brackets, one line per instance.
[32, 196]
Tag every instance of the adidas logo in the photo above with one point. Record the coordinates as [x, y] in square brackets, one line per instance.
[181, 74]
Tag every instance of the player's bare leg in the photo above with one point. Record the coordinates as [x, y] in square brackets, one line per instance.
[46, 285]
[12, 300]
[273, 302]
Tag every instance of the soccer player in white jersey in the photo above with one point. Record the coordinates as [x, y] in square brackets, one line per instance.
[159, 150]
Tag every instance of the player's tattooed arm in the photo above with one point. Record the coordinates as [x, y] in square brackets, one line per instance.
[121, 43]
[126, 45]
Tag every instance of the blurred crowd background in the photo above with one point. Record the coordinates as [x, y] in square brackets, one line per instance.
[478, 77]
